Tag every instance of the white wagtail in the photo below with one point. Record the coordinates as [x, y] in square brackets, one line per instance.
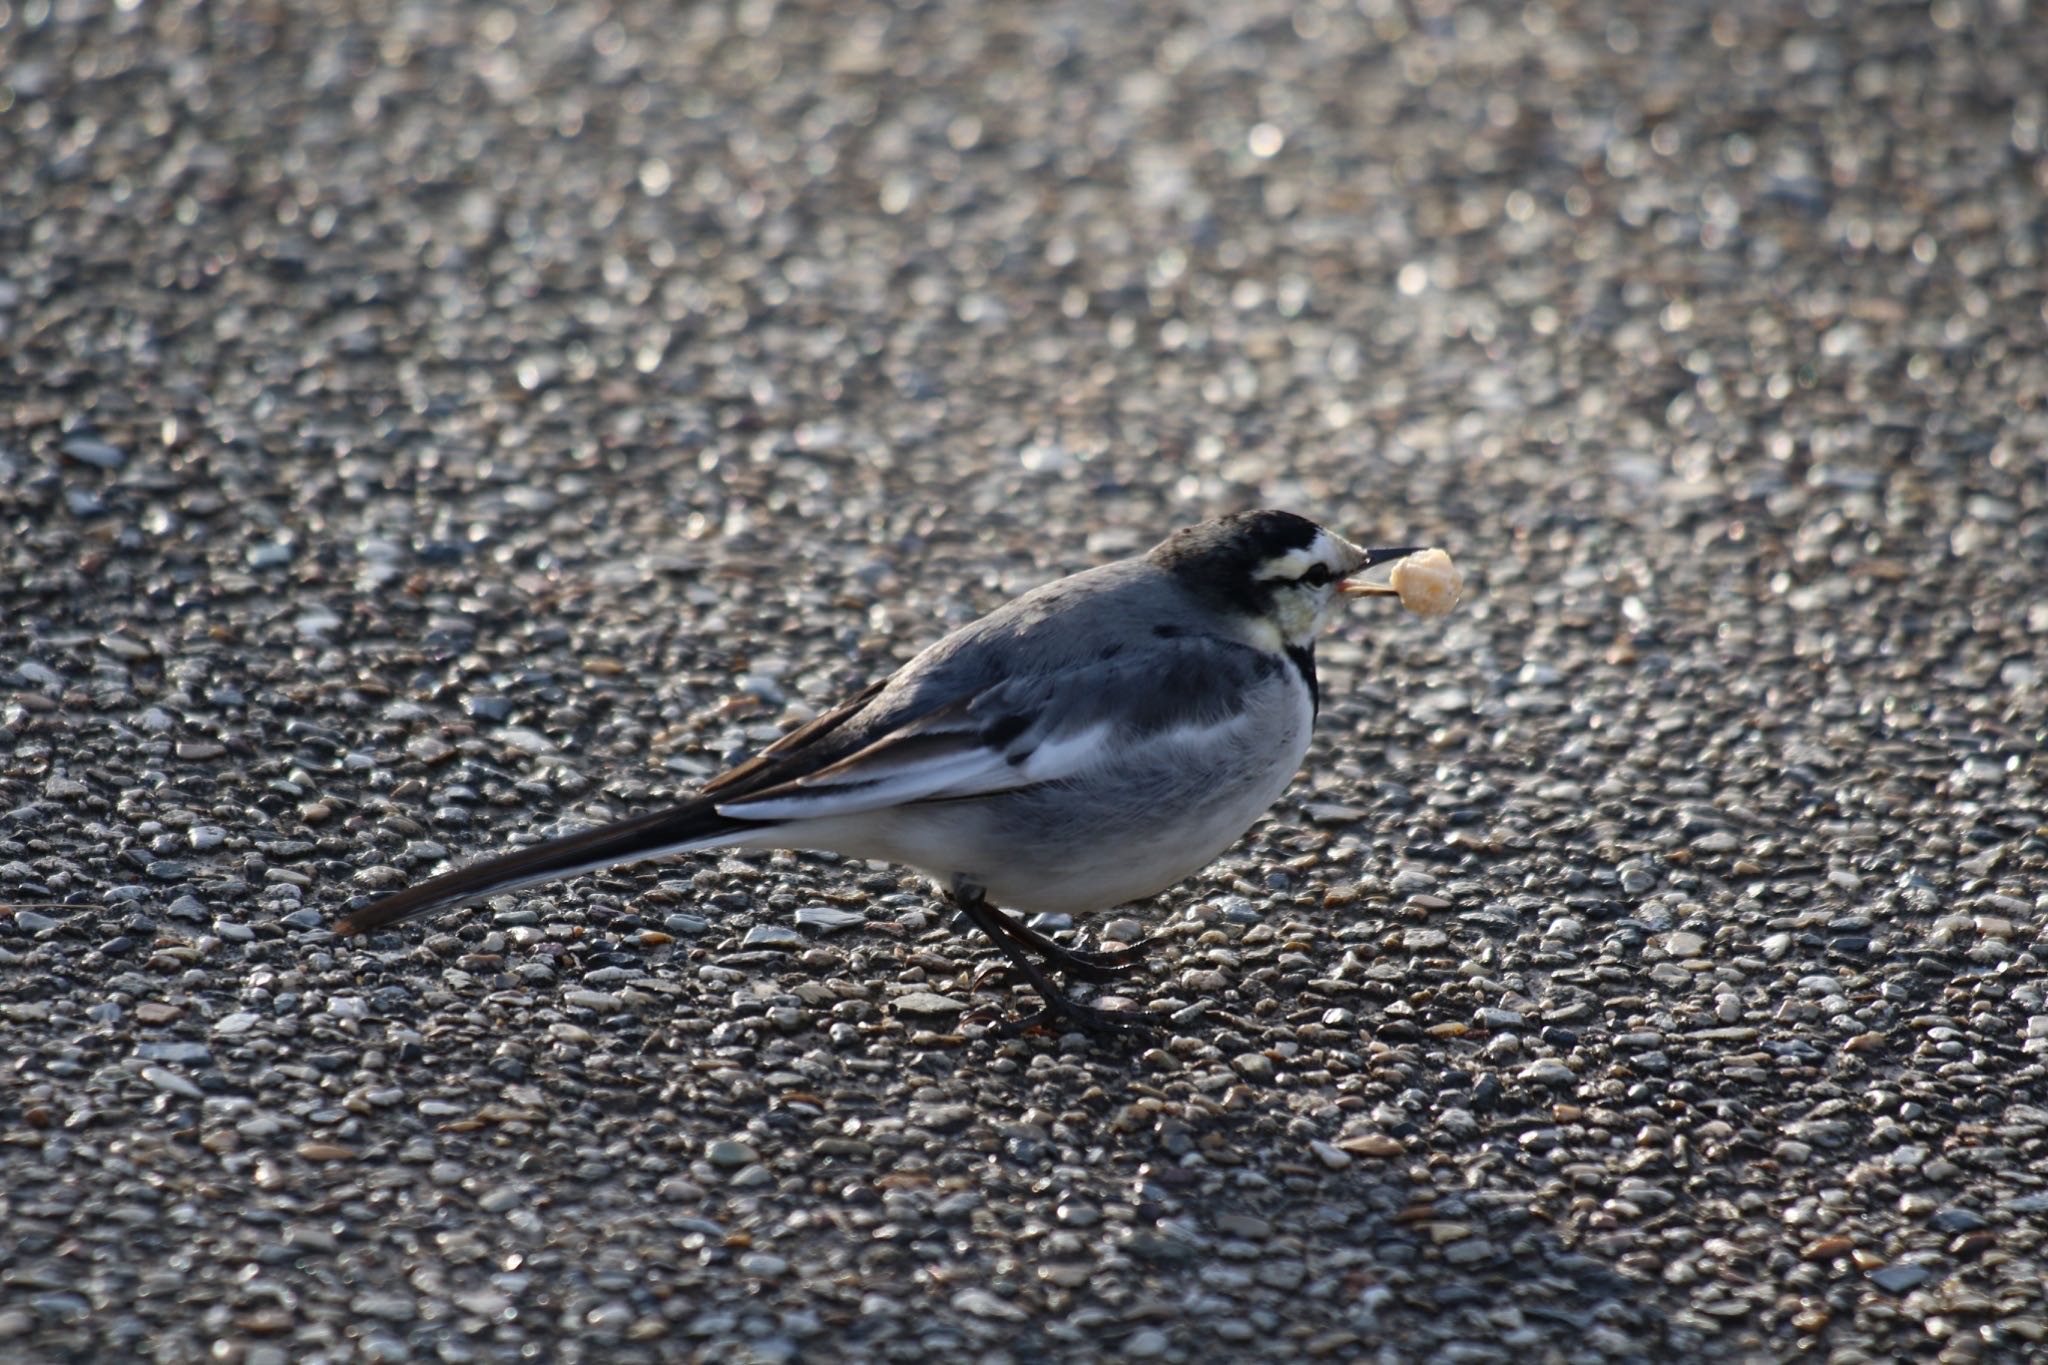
[1088, 744]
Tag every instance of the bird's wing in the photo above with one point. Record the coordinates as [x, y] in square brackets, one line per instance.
[1020, 731]
[792, 748]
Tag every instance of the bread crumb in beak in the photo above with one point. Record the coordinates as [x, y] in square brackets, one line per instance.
[1428, 583]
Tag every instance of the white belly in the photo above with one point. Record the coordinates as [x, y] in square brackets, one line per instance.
[1120, 833]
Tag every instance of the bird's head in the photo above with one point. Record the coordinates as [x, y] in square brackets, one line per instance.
[1275, 572]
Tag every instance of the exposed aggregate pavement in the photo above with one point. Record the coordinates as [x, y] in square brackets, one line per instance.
[425, 424]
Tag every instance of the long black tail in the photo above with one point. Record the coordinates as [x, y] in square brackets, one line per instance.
[679, 829]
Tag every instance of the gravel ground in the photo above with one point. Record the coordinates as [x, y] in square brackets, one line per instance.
[425, 424]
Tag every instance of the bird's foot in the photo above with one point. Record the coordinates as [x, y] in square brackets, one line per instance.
[1077, 963]
[1096, 964]
[1060, 1015]
[1017, 943]
[1071, 963]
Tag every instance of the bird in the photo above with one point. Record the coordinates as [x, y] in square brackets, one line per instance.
[1085, 745]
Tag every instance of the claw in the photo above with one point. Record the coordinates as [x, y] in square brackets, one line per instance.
[1089, 1019]
[992, 971]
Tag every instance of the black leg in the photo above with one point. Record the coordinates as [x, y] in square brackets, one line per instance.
[1072, 962]
[1058, 1005]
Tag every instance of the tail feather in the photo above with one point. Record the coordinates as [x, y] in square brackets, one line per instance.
[678, 829]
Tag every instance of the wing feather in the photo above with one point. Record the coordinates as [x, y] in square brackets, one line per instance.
[790, 749]
[1029, 730]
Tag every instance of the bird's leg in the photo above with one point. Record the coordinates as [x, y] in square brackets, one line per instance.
[1073, 962]
[1058, 1005]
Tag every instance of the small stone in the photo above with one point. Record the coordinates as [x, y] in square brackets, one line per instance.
[389, 1307]
[983, 1304]
[728, 1153]
[601, 1002]
[1548, 1071]
[1956, 1220]
[170, 1082]
[93, 451]
[1901, 1277]
[134, 651]
[1147, 1343]
[325, 1151]
[1376, 1145]
[927, 1002]
[827, 919]
[773, 936]
[1826, 1248]
[1282, 1274]
[1683, 944]
[941, 1118]
[269, 554]
[1332, 1157]
[185, 1054]
[611, 1318]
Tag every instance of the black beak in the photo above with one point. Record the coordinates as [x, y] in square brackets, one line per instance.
[1352, 587]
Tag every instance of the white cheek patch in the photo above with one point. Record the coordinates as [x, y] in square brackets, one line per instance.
[1325, 550]
[1291, 565]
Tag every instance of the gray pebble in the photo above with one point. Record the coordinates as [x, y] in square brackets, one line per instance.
[93, 451]
[773, 936]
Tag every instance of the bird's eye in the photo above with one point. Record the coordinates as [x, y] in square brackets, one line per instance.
[1317, 576]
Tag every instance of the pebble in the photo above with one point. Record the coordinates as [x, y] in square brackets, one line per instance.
[1899, 1278]
[1147, 1343]
[927, 1002]
[1376, 1145]
[171, 1083]
[983, 1304]
[93, 451]
[1333, 1157]
[828, 919]
[727, 1153]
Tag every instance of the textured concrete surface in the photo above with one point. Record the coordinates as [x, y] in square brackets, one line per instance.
[423, 424]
